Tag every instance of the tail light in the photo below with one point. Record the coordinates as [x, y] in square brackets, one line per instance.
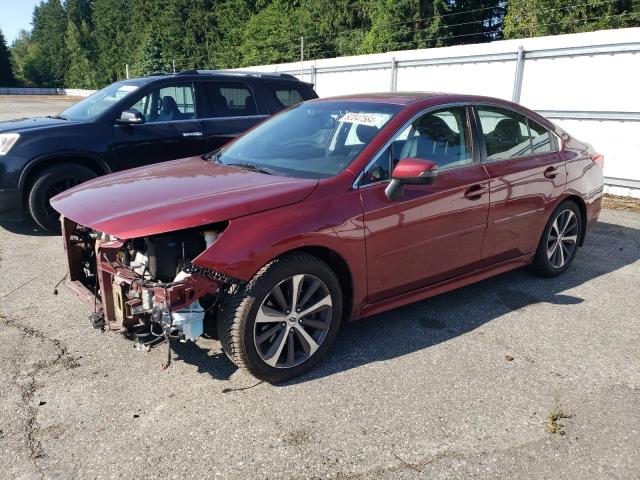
[598, 159]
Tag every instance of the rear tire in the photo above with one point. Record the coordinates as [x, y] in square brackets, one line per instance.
[262, 333]
[50, 182]
[560, 239]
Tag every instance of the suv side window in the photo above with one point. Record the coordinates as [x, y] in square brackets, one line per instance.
[288, 96]
[506, 133]
[230, 99]
[175, 102]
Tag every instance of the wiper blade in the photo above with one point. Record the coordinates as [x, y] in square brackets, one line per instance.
[213, 156]
[58, 117]
[255, 168]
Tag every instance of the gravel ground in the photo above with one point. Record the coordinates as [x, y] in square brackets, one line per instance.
[19, 106]
[463, 385]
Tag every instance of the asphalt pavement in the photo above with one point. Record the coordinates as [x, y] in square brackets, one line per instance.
[513, 377]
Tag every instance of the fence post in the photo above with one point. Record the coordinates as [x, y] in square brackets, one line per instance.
[301, 58]
[313, 75]
[126, 69]
[394, 74]
[517, 81]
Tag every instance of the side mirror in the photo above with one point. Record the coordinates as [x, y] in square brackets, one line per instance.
[130, 117]
[410, 171]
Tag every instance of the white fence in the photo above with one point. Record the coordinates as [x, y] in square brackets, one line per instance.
[589, 83]
[72, 92]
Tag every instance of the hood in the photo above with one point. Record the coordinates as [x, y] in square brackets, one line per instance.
[23, 124]
[175, 195]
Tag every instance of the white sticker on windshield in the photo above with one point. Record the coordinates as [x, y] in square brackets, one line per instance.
[370, 119]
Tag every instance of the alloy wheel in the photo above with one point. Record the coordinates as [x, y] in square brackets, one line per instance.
[293, 321]
[563, 238]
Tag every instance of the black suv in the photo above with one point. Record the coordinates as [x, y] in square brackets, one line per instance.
[129, 124]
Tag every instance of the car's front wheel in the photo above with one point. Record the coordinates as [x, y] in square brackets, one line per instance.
[50, 182]
[284, 319]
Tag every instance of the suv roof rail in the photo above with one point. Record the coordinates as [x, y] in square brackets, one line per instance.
[282, 75]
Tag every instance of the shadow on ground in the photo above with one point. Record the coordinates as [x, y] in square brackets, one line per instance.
[27, 227]
[609, 247]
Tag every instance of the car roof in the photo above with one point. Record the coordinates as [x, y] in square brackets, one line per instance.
[219, 74]
[404, 98]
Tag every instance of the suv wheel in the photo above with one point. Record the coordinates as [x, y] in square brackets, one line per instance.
[559, 242]
[50, 182]
[284, 319]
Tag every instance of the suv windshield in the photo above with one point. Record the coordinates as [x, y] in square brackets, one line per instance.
[311, 140]
[97, 103]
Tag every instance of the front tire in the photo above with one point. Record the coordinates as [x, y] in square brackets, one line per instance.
[560, 239]
[283, 321]
[50, 182]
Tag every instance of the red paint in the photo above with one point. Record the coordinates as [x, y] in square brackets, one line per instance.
[471, 223]
[412, 168]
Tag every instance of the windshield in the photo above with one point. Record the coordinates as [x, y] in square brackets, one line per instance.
[312, 140]
[97, 103]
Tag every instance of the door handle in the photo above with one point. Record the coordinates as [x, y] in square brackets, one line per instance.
[551, 172]
[191, 134]
[474, 192]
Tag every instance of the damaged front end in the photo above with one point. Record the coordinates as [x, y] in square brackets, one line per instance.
[145, 287]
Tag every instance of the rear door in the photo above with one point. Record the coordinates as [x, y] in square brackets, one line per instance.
[527, 176]
[172, 128]
[231, 109]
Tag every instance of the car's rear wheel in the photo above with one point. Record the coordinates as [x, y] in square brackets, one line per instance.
[284, 319]
[50, 182]
[559, 243]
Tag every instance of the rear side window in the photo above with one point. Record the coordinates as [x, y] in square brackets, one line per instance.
[230, 100]
[288, 96]
[506, 134]
[541, 139]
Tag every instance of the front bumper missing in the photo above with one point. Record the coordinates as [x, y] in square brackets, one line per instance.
[118, 293]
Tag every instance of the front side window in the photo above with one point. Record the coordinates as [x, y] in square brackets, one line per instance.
[312, 140]
[176, 102]
[230, 99]
[440, 136]
[506, 134]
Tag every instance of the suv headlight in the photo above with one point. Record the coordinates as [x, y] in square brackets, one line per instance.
[7, 140]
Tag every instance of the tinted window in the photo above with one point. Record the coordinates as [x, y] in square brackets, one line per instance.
[230, 100]
[288, 96]
[540, 138]
[311, 140]
[506, 134]
[166, 104]
[441, 137]
[97, 103]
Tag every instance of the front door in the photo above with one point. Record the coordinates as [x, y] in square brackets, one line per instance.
[434, 232]
[171, 129]
[527, 176]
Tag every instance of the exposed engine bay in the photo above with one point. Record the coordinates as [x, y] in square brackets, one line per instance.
[146, 288]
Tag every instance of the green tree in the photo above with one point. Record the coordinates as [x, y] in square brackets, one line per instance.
[150, 59]
[475, 21]
[48, 34]
[81, 72]
[19, 53]
[532, 18]
[7, 78]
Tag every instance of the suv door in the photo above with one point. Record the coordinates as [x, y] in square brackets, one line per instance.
[434, 232]
[171, 128]
[232, 108]
[527, 175]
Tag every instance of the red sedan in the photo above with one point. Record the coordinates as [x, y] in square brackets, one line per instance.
[334, 209]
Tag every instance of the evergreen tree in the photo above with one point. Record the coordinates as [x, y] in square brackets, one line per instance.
[7, 78]
[19, 53]
[150, 58]
[48, 34]
[81, 72]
